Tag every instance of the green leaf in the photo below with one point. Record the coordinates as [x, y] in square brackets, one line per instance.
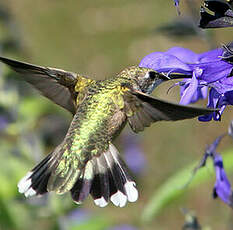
[174, 187]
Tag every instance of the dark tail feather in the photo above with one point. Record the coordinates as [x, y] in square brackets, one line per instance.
[44, 178]
[100, 186]
[35, 182]
[81, 188]
[111, 181]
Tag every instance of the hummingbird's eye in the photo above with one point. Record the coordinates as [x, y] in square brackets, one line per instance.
[152, 75]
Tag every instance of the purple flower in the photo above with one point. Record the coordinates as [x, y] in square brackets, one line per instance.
[217, 100]
[3, 122]
[212, 69]
[222, 187]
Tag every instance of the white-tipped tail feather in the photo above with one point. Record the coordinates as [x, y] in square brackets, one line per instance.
[24, 185]
[101, 202]
[131, 191]
[119, 199]
[105, 177]
[30, 192]
[112, 181]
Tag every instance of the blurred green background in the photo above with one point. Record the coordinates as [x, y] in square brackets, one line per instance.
[99, 39]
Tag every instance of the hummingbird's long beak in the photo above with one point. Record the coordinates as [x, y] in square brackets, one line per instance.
[171, 76]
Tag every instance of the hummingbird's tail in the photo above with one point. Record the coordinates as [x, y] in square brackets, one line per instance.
[35, 182]
[111, 181]
[105, 177]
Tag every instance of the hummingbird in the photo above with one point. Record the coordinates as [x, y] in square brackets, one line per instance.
[86, 161]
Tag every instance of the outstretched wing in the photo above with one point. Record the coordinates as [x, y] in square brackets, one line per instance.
[141, 110]
[55, 84]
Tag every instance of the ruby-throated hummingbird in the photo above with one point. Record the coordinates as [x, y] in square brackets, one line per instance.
[86, 161]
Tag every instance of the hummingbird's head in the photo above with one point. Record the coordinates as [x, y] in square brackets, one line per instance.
[145, 79]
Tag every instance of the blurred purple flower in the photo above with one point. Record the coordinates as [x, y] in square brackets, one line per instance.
[3, 122]
[222, 187]
[75, 217]
[212, 69]
[123, 227]
[79, 215]
[134, 156]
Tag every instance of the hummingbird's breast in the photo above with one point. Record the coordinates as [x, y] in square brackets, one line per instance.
[97, 121]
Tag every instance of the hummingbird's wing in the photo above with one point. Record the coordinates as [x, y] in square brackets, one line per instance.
[142, 109]
[55, 84]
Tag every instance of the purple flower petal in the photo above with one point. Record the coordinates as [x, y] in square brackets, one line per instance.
[223, 85]
[163, 62]
[217, 100]
[229, 97]
[222, 187]
[185, 55]
[188, 93]
[213, 71]
[201, 93]
[211, 55]
[213, 100]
